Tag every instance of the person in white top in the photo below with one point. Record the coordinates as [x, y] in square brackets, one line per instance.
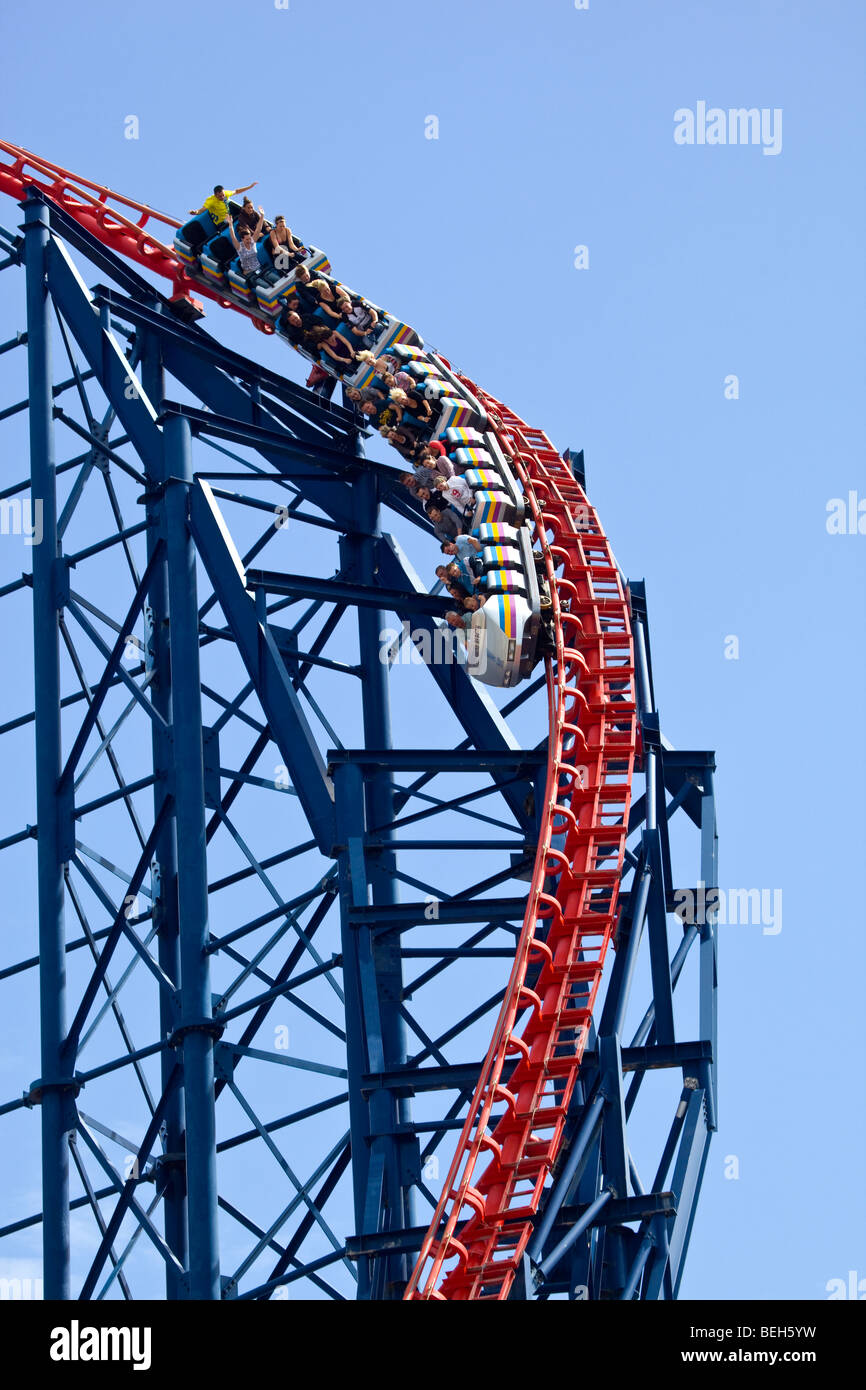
[456, 490]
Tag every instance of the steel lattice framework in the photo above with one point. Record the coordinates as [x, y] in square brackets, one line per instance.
[476, 1022]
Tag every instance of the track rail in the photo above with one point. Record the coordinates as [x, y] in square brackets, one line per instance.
[513, 1132]
[120, 223]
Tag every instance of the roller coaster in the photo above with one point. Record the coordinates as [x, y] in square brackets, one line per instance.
[170, 908]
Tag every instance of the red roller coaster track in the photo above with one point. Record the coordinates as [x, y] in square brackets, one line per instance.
[119, 222]
[514, 1128]
[495, 1181]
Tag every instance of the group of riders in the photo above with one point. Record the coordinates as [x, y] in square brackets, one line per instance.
[337, 329]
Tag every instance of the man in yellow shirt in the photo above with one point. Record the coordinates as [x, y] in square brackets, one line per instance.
[218, 205]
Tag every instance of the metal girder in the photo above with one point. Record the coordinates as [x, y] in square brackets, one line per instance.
[55, 1082]
[447, 759]
[220, 393]
[688, 1175]
[401, 601]
[104, 354]
[303, 414]
[260, 654]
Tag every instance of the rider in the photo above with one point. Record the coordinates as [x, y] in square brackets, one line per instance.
[285, 251]
[218, 204]
[463, 620]
[246, 247]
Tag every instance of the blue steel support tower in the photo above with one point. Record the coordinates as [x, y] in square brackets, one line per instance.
[161, 688]
[54, 1086]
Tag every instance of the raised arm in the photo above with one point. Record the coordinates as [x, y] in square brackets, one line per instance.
[232, 235]
[258, 231]
[247, 189]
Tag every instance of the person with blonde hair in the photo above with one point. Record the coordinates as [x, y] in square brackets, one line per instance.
[417, 414]
[332, 302]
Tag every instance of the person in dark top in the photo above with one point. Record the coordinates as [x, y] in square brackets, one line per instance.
[424, 477]
[247, 218]
[304, 303]
[363, 396]
[404, 442]
[413, 420]
[331, 348]
[446, 526]
[303, 299]
[379, 386]
[363, 403]
[303, 296]
[331, 302]
[418, 407]
[285, 251]
[294, 326]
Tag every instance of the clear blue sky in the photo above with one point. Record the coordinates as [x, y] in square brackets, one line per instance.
[556, 130]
